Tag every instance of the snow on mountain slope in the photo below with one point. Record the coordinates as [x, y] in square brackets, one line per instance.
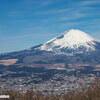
[71, 41]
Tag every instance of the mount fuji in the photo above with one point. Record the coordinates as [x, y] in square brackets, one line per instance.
[70, 60]
[72, 46]
[71, 42]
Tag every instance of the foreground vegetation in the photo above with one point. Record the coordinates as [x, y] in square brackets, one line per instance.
[89, 93]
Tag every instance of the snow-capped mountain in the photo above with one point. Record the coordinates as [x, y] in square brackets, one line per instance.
[56, 59]
[71, 42]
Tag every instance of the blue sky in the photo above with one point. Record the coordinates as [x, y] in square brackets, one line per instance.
[26, 23]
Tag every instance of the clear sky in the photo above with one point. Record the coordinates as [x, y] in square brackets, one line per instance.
[26, 23]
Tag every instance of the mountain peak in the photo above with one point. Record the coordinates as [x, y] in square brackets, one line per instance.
[76, 33]
[70, 41]
[72, 30]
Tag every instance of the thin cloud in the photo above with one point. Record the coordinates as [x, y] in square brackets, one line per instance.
[85, 3]
[71, 15]
[48, 2]
[55, 11]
